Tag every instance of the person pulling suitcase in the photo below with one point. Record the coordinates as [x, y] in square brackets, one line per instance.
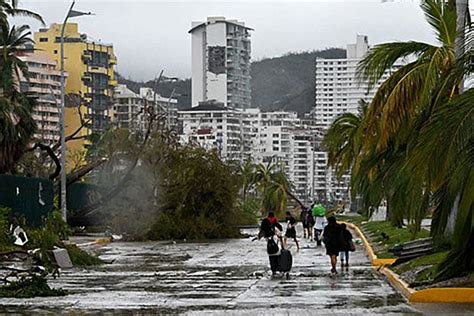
[280, 258]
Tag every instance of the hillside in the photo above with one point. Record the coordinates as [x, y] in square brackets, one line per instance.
[280, 83]
[287, 82]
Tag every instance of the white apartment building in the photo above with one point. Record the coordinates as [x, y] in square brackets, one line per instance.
[43, 84]
[338, 90]
[214, 126]
[278, 137]
[128, 109]
[221, 62]
[168, 106]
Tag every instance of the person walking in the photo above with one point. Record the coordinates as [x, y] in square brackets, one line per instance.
[304, 222]
[320, 223]
[271, 229]
[310, 224]
[290, 230]
[332, 238]
[347, 245]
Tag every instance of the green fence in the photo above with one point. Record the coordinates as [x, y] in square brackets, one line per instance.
[31, 198]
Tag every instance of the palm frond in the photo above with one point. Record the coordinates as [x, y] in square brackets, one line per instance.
[383, 57]
[442, 17]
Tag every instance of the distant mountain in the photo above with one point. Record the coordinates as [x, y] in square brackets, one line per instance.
[280, 83]
[288, 82]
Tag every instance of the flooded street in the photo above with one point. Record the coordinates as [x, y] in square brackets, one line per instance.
[229, 276]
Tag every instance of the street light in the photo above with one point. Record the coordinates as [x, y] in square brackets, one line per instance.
[70, 14]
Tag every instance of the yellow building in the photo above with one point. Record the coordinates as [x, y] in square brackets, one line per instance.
[90, 83]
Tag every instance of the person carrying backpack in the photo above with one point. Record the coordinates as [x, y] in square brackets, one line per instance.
[271, 230]
[333, 240]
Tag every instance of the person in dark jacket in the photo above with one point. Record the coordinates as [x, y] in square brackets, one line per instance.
[346, 246]
[332, 238]
[271, 229]
[304, 222]
[290, 230]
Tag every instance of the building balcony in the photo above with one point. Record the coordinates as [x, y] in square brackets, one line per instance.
[98, 70]
[112, 60]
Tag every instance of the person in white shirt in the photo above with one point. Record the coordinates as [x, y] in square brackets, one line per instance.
[320, 223]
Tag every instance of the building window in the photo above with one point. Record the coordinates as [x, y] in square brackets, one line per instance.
[55, 51]
[43, 39]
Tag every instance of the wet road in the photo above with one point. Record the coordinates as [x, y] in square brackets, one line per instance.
[216, 277]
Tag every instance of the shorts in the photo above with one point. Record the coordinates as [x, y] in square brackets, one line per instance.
[291, 233]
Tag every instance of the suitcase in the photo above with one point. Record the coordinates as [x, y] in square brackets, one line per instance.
[286, 261]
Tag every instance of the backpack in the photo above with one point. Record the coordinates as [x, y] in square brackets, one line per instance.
[266, 228]
[272, 246]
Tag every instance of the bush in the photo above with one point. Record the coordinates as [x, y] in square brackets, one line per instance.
[30, 287]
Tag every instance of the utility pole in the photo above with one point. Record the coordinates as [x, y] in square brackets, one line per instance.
[70, 14]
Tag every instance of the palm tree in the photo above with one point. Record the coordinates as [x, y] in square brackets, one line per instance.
[16, 123]
[248, 174]
[419, 86]
[274, 187]
[418, 130]
[343, 140]
[14, 43]
[10, 8]
[16, 129]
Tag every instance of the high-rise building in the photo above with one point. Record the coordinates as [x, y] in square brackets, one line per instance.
[43, 84]
[91, 79]
[338, 90]
[221, 62]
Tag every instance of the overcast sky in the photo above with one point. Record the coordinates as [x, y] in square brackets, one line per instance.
[150, 35]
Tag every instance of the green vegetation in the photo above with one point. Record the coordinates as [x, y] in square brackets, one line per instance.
[374, 230]
[395, 235]
[412, 145]
[31, 287]
[199, 198]
[81, 258]
[429, 262]
[45, 238]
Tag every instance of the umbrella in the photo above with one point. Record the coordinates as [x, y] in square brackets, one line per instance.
[319, 210]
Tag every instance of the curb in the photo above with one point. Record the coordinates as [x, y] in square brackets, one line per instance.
[376, 262]
[431, 295]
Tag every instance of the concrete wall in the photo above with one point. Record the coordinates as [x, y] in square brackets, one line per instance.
[198, 62]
